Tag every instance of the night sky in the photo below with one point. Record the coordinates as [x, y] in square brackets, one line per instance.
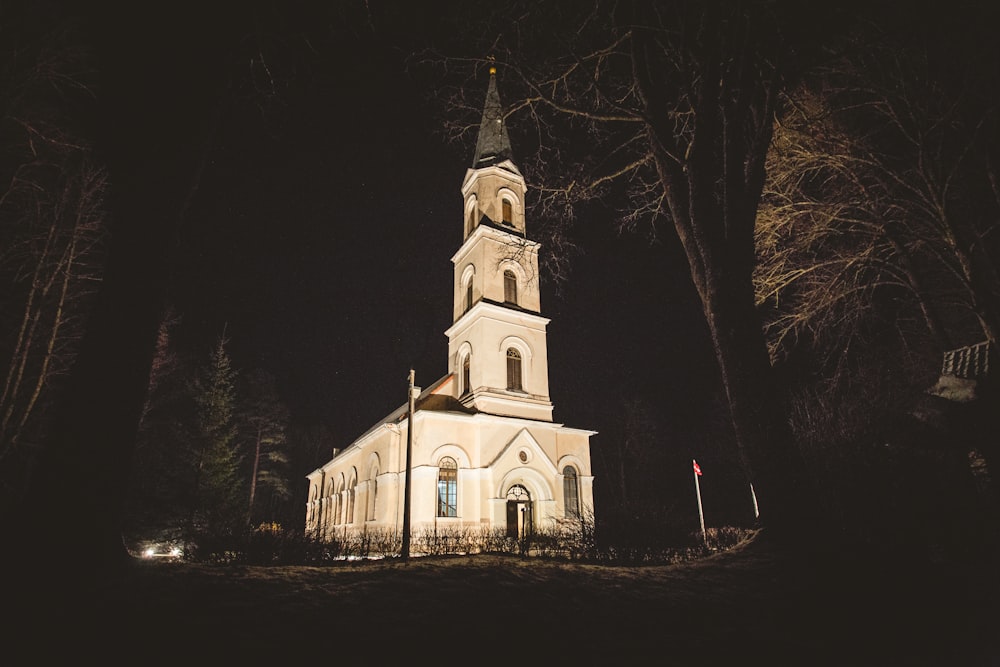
[321, 236]
[319, 233]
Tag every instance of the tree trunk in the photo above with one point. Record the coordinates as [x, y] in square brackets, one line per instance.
[43, 371]
[759, 413]
[253, 477]
[712, 193]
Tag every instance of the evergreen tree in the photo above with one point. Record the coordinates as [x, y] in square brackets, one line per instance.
[161, 483]
[264, 421]
[219, 487]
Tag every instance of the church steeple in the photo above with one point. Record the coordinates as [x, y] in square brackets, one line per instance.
[496, 347]
[493, 188]
[493, 144]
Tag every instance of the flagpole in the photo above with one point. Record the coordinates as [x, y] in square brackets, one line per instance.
[701, 513]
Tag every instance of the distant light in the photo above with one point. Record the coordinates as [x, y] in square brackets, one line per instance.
[148, 553]
[175, 551]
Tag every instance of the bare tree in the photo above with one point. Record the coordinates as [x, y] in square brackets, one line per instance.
[51, 237]
[880, 204]
[877, 251]
[671, 107]
[163, 96]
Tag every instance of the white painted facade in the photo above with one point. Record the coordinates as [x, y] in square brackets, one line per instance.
[485, 451]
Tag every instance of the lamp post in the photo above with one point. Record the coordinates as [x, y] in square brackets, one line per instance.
[406, 479]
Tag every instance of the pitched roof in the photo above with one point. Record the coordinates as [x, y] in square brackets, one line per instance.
[493, 144]
[428, 400]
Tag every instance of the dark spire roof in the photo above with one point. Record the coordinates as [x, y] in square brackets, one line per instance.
[493, 145]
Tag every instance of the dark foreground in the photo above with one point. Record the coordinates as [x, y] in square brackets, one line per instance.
[753, 605]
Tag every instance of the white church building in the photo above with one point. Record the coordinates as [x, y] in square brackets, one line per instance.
[484, 450]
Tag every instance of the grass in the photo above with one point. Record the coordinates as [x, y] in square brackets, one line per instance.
[754, 604]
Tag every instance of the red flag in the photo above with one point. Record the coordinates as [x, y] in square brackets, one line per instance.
[697, 468]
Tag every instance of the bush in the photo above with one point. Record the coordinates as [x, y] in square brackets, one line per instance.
[269, 544]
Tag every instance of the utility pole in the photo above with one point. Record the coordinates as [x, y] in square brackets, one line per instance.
[406, 482]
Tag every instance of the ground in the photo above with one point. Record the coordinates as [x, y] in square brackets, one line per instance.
[755, 604]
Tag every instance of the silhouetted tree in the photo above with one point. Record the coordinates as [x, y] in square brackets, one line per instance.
[52, 227]
[880, 203]
[264, 422]
[215, 452]
[161, 480]
[670, 106]
[877, 253]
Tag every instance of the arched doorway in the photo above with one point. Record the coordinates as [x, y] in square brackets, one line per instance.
[518, 512]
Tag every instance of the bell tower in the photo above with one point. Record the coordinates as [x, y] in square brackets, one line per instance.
[496, 344]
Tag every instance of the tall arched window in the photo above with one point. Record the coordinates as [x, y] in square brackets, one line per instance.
[513, 369]
[468, 295]
[508, 211]
[373, 496]
[509, 287]
[350, 503]
[466, 375]
[571, 492]
[447, 487]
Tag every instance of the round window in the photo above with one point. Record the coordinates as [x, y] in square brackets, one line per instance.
[523, 455]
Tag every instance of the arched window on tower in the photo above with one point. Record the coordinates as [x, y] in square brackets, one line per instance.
[571, 492]
[508, 211]
[509, 287]
[513, 369]
[466, 374]
[468, 295]
[447, 487]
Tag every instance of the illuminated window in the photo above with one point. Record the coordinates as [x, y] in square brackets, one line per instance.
[508, 211]
[513, 369]
[571, 493]
[447, 487]
[466, 375]
[509, 287]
